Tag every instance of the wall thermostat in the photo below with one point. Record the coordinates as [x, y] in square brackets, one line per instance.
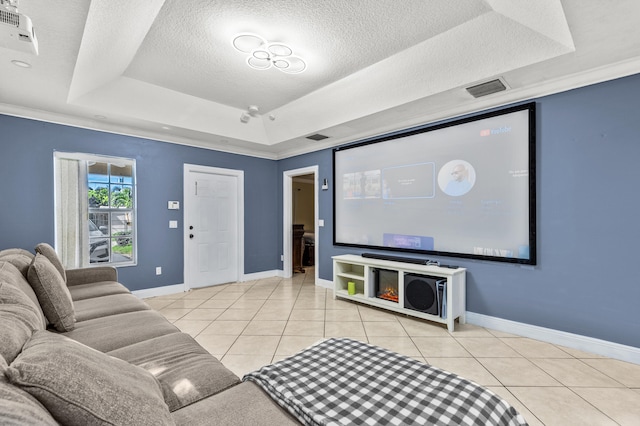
[174, 205]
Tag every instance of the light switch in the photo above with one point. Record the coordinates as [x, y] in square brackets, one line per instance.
[173, 224]
[174, 205]
[321, 222]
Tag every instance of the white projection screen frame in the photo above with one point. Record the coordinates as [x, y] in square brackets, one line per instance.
[465, 188]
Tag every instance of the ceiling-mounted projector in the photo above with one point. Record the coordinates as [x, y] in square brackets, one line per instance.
[16, 29]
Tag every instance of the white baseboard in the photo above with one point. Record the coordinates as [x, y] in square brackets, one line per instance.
[562, 338]
[280, 273]
[159, 291]
[180, 288]
[325, 283]
[261, 275]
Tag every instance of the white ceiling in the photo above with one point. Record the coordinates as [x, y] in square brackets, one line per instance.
[167, 70]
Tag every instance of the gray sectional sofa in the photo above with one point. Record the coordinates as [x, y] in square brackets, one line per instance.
[76, 347]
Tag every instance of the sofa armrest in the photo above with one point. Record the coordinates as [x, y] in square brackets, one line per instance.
[91, 275]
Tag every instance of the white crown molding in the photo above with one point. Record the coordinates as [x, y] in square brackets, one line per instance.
[550, 87]
[89, 124]
[547, 88]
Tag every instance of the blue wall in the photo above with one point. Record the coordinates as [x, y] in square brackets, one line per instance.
[588, 151]
[27, 211]
[588, 171]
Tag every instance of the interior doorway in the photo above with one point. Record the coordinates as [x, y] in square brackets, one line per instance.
[300, 221]
[213, 226]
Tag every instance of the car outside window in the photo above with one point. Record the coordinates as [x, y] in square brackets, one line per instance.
[95, 212]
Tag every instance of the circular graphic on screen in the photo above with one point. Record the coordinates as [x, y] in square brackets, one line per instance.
[456, 178]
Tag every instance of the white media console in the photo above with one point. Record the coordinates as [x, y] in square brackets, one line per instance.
[361, 271]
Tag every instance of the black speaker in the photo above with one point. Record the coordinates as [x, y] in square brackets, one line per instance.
[421, 293]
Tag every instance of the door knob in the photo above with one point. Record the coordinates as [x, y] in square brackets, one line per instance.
[190, 235]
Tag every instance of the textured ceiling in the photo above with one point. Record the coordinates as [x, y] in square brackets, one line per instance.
[166, 69]
[351, 35]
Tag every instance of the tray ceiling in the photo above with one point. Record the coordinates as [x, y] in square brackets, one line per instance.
[167, 69]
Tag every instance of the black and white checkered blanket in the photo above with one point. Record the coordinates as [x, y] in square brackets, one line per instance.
[344, 381]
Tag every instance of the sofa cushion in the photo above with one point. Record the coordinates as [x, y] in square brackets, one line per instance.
[80, 386]
[19, 319]
[18, 407]
[52, 293]
[98, 289]
[47, 251]
[7, 252]
[108, 305]
[10, 274]
[19, 258]
[245, 404]
[91, 274]
[116, 331]
[186, 371]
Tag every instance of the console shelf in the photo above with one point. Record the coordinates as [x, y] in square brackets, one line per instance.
[360, 270]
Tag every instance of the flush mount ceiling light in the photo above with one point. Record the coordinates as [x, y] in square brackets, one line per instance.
[264, 54]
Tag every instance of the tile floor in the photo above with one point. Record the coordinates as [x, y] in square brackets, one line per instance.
[247, 325]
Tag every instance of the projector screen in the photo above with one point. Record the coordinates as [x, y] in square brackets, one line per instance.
[464, 188]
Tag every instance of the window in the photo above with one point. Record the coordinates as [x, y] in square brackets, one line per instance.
[95, 210]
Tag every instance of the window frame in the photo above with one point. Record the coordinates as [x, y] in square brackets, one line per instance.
[109, 210]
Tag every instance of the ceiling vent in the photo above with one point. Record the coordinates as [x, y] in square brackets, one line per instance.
[317, 137]
[487, 88]
[9, 18]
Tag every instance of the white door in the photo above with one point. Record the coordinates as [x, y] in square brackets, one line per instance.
[211, 224]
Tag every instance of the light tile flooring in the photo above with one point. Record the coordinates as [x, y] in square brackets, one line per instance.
[247, 325]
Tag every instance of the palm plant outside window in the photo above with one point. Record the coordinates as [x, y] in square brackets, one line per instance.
[95, 214]
[110, 199]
